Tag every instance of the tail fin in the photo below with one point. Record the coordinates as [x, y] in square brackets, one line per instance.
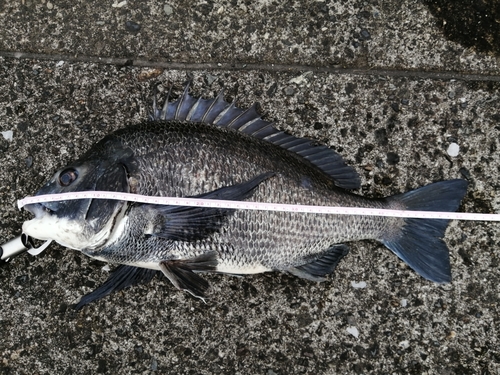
[419, 242]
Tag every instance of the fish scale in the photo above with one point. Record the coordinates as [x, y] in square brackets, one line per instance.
[224, 152]
[198, 148]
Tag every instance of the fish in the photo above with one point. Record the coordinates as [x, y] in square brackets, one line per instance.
[210, 148]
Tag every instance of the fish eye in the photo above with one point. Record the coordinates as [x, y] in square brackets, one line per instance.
[67, 177]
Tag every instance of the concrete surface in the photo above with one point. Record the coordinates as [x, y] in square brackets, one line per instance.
[378, 81]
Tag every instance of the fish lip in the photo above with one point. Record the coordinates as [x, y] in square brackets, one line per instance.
[38, 209]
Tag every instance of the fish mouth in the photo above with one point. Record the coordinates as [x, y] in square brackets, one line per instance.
[39, 210]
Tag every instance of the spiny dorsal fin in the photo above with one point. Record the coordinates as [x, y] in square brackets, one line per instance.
[218, 112]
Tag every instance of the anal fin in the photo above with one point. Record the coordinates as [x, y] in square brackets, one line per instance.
[181, 272]
[322, 266]
[120, 278]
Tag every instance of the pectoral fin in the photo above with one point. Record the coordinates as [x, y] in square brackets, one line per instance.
[180, 223]
[181, 272]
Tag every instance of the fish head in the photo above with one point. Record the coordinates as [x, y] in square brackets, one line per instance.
[81, 223]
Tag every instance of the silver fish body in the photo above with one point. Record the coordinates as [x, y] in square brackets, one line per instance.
[209, 148]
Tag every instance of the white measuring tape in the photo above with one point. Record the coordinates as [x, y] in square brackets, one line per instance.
[244, 205]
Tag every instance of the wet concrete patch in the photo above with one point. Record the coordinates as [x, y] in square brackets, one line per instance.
[471, 23]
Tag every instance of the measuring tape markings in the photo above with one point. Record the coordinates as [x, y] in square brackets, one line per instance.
[210, 203]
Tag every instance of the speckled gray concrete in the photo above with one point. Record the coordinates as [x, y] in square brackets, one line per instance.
[372, 34]
[395, 130]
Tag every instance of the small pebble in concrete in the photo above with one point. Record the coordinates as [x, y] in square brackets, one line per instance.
[132, 26]
[121, 4]
[392, 158]
[167, 8]
[289, 91]
[453, 150]
[359, 285]
[405, 344]
[209, 79]
[302, 79]
[23, 126]
[365, 34]
[8, 135]
[353, 331]
[154, 364]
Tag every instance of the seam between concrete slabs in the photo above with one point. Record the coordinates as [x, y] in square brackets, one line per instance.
[437, 75]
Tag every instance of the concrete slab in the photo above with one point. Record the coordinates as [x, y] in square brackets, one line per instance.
[394, 126]
[353, 33]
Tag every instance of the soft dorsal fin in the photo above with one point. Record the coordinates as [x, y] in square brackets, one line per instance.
[218, 112]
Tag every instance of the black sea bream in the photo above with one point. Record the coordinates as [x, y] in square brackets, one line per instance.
[210, 148]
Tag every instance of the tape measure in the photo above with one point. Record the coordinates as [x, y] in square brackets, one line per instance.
[263, 206]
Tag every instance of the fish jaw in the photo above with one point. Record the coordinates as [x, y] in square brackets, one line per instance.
[45, 226]
[68, 232]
